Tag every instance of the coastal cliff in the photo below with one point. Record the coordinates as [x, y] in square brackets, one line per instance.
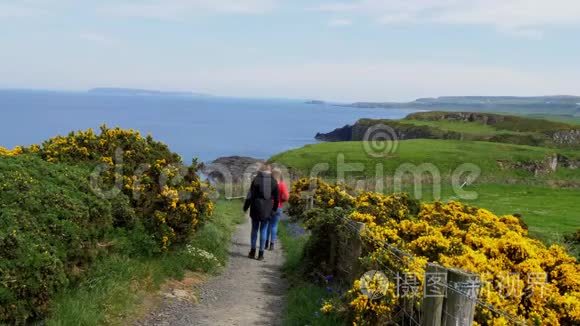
[398, 130]
[465, 126]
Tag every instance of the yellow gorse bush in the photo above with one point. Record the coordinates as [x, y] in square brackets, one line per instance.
[367, 310]
[10, 152]
[510, 264]
[521, 276]
[168, 196]
[19, 150]
[320, 193]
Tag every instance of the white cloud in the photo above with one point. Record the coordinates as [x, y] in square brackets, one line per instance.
[339, 22]
[179, 9]
[517, 17]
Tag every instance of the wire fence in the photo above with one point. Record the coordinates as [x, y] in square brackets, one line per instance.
[409, 307]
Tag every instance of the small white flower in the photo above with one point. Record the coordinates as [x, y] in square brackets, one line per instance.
[202, 254]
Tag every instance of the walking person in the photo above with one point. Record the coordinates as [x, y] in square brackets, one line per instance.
[283, 196]
[262, 201]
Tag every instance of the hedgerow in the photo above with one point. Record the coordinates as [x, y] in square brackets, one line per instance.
[50, 228]
[497, 248]
[75, 198]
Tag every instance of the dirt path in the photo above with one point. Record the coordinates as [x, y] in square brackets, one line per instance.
[249, 292]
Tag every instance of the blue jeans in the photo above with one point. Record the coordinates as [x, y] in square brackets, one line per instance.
[262, 226]
[273, 227]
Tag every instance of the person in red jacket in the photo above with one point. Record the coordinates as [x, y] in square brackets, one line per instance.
[283, 196]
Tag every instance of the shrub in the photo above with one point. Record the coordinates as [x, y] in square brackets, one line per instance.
[50, 227]
[385, 208]
[465, 237]
[168, 197]
[321, 193]
[55, 218]
[326, 226]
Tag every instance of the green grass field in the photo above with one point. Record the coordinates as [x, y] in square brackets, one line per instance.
[549, 211]
[446, 155]
[497, 122]
[499, 128]
[118, 284]
[473, 128]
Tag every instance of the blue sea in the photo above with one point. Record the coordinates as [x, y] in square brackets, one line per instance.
[201, 127]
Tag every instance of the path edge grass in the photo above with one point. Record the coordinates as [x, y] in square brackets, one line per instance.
[118, 285]
[304, 298]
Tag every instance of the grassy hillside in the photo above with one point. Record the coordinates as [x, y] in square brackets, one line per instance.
[476, 126]
[549, 210]
[496, 121]
[472, 128]
[446, 155]
[500, 128]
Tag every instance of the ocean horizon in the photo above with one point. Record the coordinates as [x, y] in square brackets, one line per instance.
[203, 127]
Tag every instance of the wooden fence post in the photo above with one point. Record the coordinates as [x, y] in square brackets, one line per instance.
[462, 292]
[434, 295]
[332, 259]
[350, 251]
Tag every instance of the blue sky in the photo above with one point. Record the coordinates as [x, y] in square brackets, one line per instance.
[375, 50]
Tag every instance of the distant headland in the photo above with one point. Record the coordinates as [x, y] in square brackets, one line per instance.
[559, 104]
[140, 92]
[315, 102]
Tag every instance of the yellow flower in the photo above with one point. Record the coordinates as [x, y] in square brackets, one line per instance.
[536, 284]
[327, 308]
[107, 160]
[11, 152]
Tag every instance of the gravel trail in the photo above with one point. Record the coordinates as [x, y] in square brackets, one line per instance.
[248, 292]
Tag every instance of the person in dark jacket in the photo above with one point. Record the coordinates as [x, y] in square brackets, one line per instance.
[262, 200]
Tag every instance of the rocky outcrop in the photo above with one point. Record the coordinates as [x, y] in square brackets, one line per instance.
[231, 169]
[568, 163]
[548, 165]
[566, 137]
[385, 128]
[338, 134]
